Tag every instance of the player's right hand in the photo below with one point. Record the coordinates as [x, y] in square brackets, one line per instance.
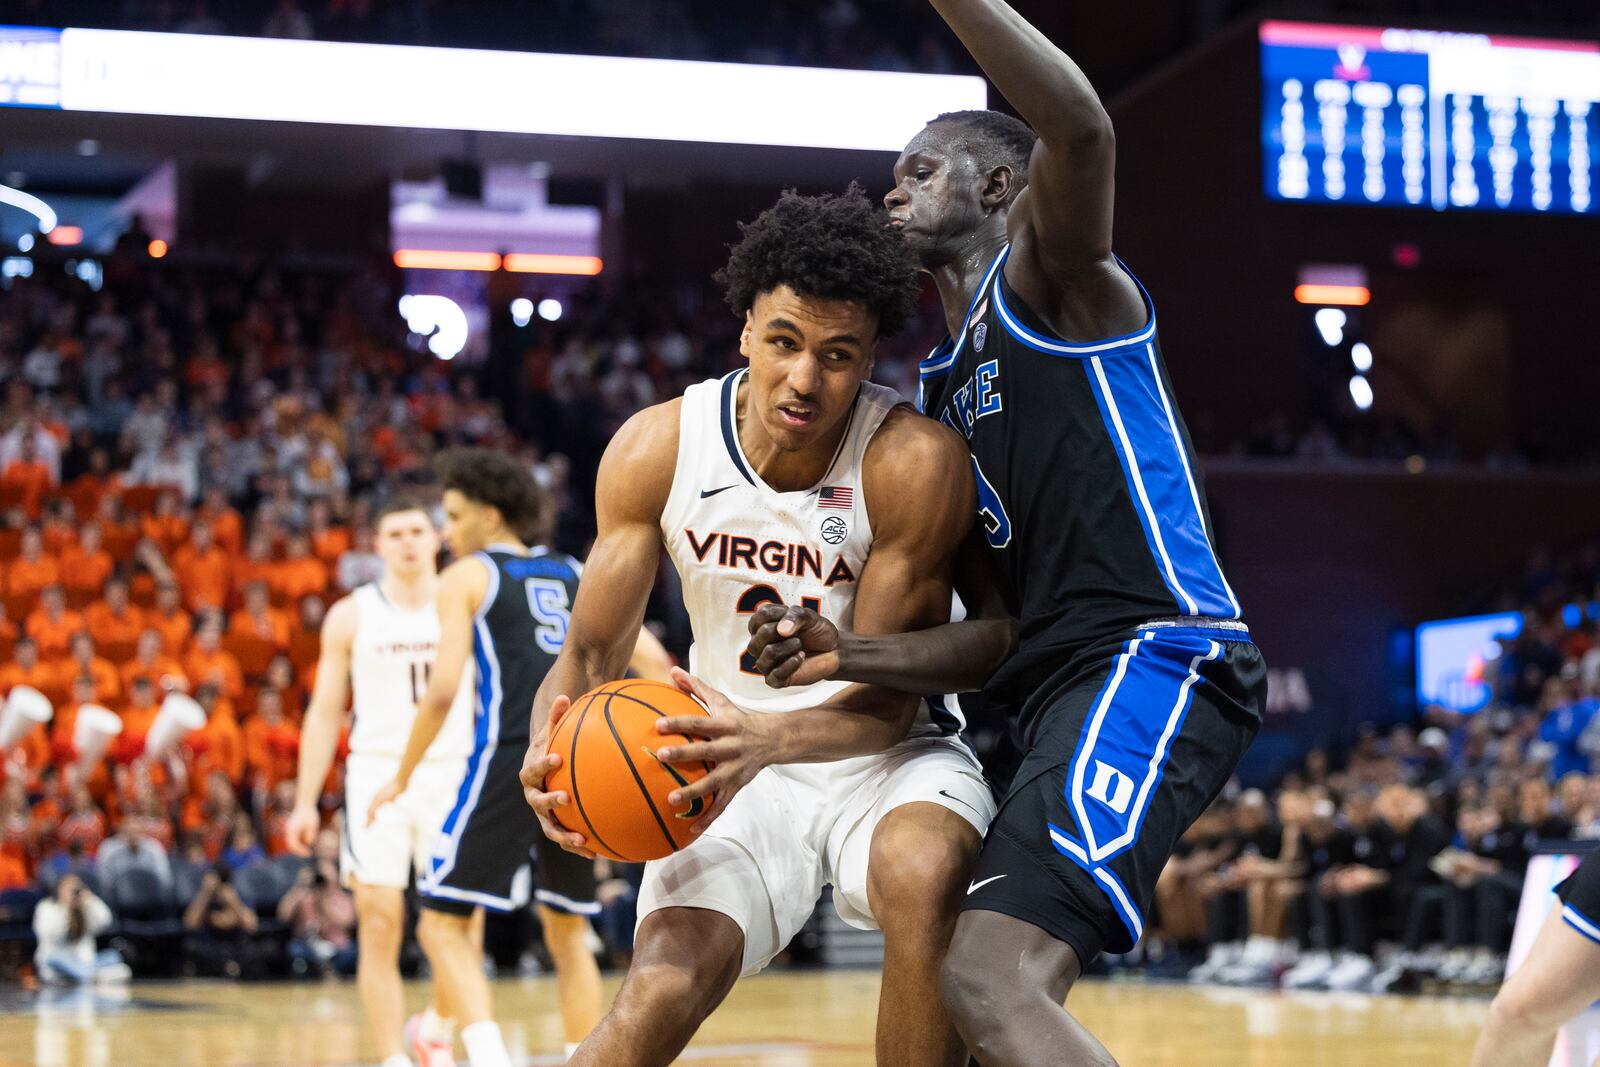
[536, 766]
[300, 832]
[792, 645]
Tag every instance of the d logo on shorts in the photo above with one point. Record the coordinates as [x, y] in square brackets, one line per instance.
[1111, 787]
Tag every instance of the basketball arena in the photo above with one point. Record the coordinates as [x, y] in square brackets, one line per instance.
[915, 533]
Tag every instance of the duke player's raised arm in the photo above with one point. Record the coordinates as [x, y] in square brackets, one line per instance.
[631, 490]
[1060, 224]
[462, 588]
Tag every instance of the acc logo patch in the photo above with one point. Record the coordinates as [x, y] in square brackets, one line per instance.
[834, 529]
[980, 335]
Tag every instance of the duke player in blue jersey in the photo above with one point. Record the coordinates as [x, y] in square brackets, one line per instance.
[1134, 687]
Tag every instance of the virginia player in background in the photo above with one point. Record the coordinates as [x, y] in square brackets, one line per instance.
[1559, 979]
[1135, 687]
[378, 649]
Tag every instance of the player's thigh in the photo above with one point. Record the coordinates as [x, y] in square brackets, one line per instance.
[756, 865]
[909, 829]
[1559, 978]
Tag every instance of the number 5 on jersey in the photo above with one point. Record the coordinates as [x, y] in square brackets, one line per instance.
[552, 610]
[753, 598]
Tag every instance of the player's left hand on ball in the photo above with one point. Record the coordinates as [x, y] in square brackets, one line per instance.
[737, 744]
[387, 795]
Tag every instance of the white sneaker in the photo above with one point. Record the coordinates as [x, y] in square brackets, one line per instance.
[1486, 968]
[1351, 973]
[115, 974]
[1312, 970]
[1220, 957]
[1455, 962]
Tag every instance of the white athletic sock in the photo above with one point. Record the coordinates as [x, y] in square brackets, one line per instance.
[436, 1026]
[485, 1046]
[399, 1059]
[570, 1048]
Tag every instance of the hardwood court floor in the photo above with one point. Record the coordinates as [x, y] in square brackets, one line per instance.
[813, 1019]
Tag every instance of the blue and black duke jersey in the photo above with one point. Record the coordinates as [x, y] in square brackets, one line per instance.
[1087, 485]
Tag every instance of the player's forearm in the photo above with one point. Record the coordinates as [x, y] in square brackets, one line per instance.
[824, 734]
[425, 727]
[318, 740]
[1038, 78]
[582, 666]
[957, 657]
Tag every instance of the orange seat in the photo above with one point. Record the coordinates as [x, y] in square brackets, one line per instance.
[253, 653]
[139, 499]
[11, 496]
[10, 544]
[6, 645]
[78, 599]
[142, 595]
[120, 543]
[117, 652]
[20, 606]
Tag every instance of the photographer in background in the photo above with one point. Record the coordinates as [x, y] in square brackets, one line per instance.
[66, 926]
[219, 926]
[321, 916]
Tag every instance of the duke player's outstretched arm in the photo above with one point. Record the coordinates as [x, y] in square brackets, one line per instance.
[1061, 223]
[604, 634]
[320, 734]
[462, 587]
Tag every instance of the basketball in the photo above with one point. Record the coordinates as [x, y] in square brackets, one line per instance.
[607, 742]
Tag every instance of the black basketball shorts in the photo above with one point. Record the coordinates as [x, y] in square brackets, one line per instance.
[489, 834]
[1580, 897]
[1134, 740]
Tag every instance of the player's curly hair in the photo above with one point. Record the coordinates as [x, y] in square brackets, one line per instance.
[993, 139]
[496, 479]
[828, 248]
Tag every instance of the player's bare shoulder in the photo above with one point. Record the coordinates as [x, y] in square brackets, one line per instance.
[917, 470]
[339, 624]
[636, 473]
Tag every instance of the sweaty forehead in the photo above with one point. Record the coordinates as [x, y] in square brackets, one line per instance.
[813, 314]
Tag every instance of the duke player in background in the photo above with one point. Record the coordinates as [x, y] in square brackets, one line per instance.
[1135, 687]
[503, 613]
[1559, 979]
[794, 480]
[378, 648]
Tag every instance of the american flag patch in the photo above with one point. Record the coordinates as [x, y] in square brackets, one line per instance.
[840, 497]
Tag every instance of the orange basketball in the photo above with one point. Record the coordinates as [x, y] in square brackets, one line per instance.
[607, 742]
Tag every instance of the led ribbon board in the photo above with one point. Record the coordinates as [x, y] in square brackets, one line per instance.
[464, 89]
[1414, 118]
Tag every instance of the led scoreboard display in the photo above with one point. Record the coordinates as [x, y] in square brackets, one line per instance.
[1415, 118]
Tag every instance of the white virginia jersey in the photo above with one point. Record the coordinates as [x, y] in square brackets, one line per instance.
[739, 544]
[390, 660]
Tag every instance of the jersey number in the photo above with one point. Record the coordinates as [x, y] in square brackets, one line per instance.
[753, 598]
[996, 523]
[420, 672]
[552, 610]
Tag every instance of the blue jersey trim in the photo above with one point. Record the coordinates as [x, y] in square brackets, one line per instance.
[1580, 922]
[485, 735]
[730, 426]
[1155, 466]
[1055, 346]
[935, 363]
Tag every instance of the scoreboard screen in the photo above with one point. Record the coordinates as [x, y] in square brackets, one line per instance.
[1417, 118]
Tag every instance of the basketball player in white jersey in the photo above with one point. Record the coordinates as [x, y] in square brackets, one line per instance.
[800, 481]
[380, 642]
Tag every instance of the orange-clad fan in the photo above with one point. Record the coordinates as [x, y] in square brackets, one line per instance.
[9, 630]
[227, 527]
[29, 475]
[52, 623]
[26, 668]
[113, 621]
[154, 666]
[301, 574]
[137, 714]
[118, 533]
[82, 662]
[208, 663]
[216, 746]
[259, 619]
[59, 529]
[212, 815]
[169, 619]
[257, 564]
[328, 542]
[93, 485]
[271, 742]
[86, 565]
[203, 570]
[32, 571]
[82, 825]
[166, 525]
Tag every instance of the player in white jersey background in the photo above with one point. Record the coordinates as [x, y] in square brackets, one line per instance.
[379, 643]
[798, 481]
